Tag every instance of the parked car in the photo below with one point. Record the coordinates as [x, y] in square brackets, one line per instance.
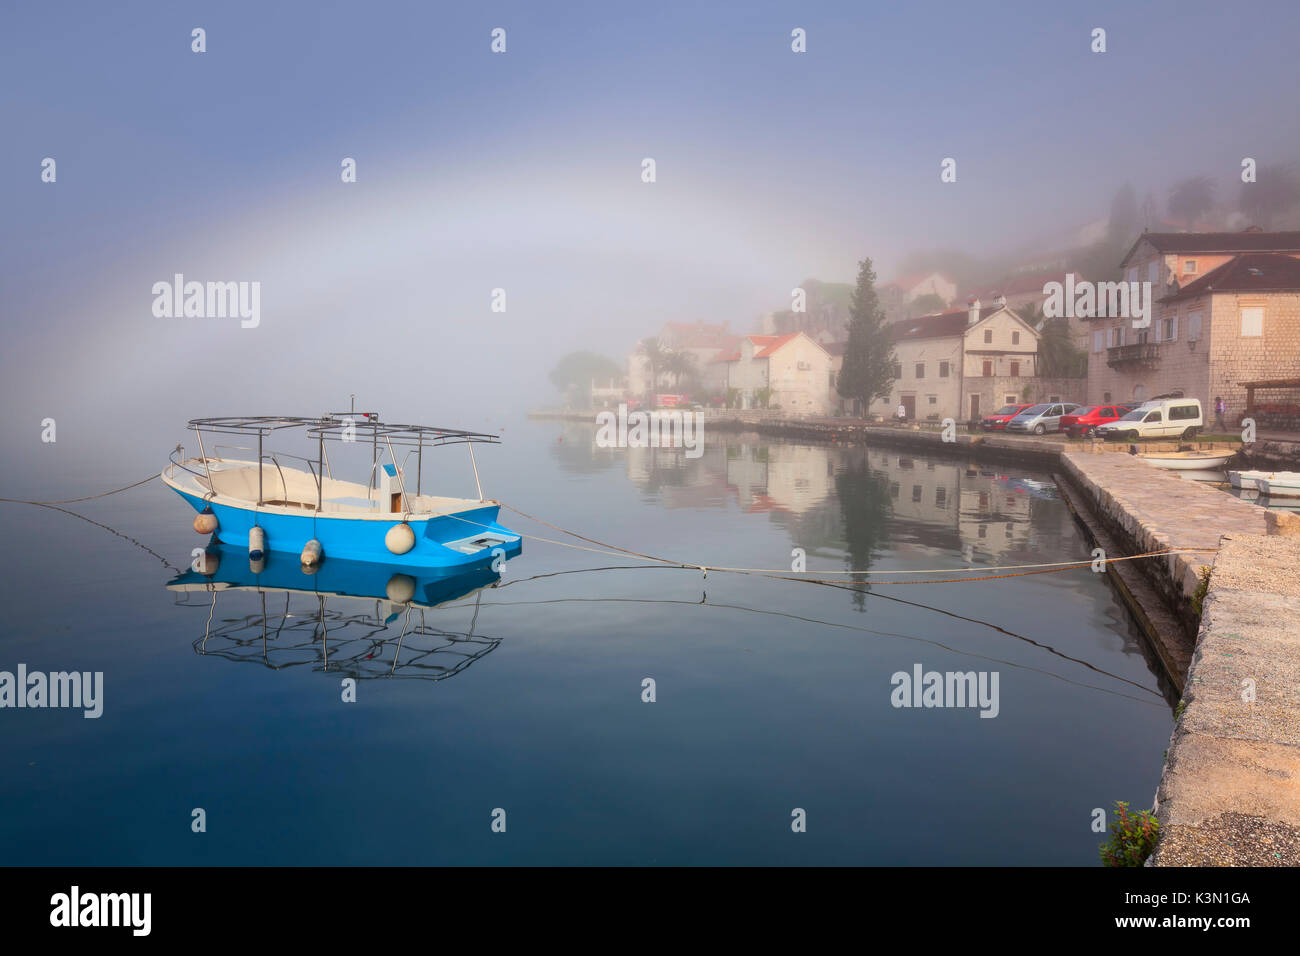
[1042, 418]
[998, 420]
[1166, 418]
[1081, 422]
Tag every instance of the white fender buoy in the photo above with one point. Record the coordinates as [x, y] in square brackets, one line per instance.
[400, 538]
[257, 565]
[205, 522]
[312, 553]
[207, 563]
[400, 589]
[256, 542]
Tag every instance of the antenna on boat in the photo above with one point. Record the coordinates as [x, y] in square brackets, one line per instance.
[353, 396]
[470, 445]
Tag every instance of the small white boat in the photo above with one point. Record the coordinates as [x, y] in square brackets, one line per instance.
[1279, 484]
[1189, 460]
[1246, 479]
[259, 504]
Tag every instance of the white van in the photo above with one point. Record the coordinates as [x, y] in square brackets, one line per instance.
[1161, 418]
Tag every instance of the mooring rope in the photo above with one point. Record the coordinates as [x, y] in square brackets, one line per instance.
[977, 574]
[68, 501]
[614, 550]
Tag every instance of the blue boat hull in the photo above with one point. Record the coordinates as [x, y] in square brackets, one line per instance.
[363, 579]
[360, 539]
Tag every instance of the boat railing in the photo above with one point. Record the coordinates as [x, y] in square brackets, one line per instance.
[177, 461]
[339, 426]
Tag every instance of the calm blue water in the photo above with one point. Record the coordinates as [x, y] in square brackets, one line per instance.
[771, 695]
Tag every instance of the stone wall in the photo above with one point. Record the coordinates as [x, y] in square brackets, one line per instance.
[1230, 791]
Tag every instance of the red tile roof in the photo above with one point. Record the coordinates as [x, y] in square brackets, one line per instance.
[1252, 272]
[765, 346]
[774, 343]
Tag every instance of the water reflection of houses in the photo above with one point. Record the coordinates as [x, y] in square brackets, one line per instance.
[793, 485]
[951, 505]
[813, 492]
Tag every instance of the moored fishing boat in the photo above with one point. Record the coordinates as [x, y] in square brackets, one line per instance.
[1188, 460]
[1245, 479]
[1279, 484]
[259, 500]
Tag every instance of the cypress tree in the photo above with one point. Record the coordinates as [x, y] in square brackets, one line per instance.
[868, 372]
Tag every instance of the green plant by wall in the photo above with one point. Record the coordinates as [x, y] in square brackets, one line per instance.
[1198, 596]
[1132, 837]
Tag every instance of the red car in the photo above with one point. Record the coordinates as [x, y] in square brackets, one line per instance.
[998, 420]
[1081, 422]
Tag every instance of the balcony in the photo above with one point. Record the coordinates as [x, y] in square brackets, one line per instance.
[1141, 354]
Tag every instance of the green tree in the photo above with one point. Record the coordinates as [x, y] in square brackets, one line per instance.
[1125, 222]
[1058, 357]
[681, 365]
[868, 371]
[656, 357]
[1191, 199]
[1275, 192]
[577, 370]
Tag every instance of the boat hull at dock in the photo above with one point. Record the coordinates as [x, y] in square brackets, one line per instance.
[441, 541]
[1188, 461]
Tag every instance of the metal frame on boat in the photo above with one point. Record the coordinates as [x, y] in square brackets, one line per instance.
[262, 503]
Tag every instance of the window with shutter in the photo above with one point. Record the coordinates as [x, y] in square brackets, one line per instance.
[1252, 322]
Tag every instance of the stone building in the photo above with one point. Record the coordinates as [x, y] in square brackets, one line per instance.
[1227, 312]
[792, 370]
[961, 364]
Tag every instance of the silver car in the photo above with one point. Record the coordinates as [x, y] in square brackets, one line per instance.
[1041, 419]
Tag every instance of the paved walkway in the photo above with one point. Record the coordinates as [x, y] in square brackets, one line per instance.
[1158, 509]
[1230, 792]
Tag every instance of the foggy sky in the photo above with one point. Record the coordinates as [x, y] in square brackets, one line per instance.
[522, 171]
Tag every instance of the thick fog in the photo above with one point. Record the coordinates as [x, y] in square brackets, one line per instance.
[522, 171]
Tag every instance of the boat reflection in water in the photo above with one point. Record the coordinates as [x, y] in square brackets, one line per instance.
[352, 618]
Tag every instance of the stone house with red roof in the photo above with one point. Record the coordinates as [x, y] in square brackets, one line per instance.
[795, 368]
[1227, 312]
